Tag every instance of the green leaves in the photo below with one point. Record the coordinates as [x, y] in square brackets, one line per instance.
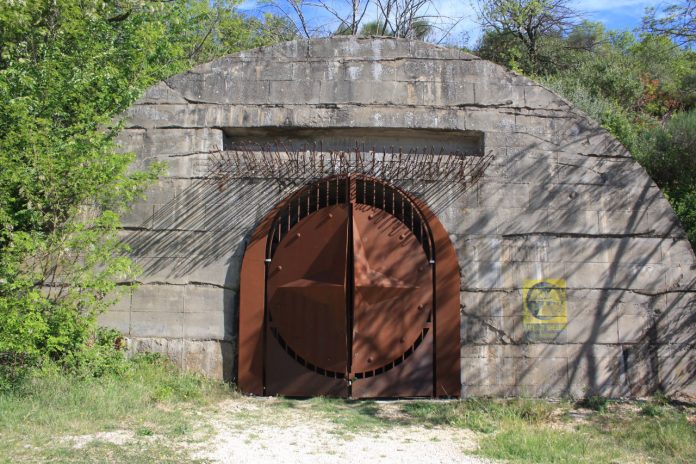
[67, 69]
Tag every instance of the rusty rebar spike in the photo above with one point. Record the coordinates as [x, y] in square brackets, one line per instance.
[357, 156]
[437, 166]
[246, 160]
[363, 155]
[277, 160]
[237, 161]
[267, 162]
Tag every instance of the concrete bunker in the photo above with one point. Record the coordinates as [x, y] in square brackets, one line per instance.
[575, 276]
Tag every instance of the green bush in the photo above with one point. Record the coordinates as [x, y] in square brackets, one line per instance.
[68, 68]
[103, 354]
[668, 153]
[595, 402]
[651, 410]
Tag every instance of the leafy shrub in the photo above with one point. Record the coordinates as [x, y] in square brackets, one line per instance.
[651, 410]
[668, 153]
[68, 68]
[103, 354]
[595, 402]
[607, 112]
[14, 368]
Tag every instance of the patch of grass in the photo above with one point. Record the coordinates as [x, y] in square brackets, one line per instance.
[540, 444]
[285, 403]
[667, 437]
[537, 431]
[141, 452]
[651, 410]
[181, 428]
[144, 432]
[350, 416]
[484, 416]
[594, 402]
[51, 405]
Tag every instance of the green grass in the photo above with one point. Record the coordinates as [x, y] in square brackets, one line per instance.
[152, 399]
[533, 431]
[160, 409]
[536, 431]
[605, 440]
[484, 416]
[349, 416]
[139, 452]
[542, 444]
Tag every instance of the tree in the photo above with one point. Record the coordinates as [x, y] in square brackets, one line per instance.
[676, 21]
[349, 24]
[413, 19]
[641, 88]
[405, 18]
[587, 36]
[668, 153]
[529, 21]
[420, 29]
[236, 32]
[67, 69]
[294, 11]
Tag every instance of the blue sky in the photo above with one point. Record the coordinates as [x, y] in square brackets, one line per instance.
[615, 14]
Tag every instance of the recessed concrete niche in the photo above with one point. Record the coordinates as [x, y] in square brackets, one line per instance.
[575, 276]
[368, 138]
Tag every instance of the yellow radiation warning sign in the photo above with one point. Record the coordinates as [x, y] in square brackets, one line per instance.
[545, 310]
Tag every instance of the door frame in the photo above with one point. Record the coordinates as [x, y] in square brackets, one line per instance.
[252, 300]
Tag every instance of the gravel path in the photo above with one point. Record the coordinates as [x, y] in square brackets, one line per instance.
[247, 432]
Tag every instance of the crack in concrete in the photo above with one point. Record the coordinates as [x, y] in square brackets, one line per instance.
[647, 234]
[501, 335]
[158, 283]
[510, 290]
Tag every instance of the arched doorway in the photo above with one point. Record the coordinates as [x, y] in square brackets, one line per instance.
[357, 296]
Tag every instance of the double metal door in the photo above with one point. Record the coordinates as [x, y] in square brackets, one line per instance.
[349, 294]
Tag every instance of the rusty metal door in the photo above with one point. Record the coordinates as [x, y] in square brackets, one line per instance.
[349, 294]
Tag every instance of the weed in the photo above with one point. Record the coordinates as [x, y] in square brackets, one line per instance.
[350, 415]
[182, 428]
[479, 415]
[144, 432]
[51, 404]
[651, 410]
[541, 444]
[660, 398]
[595, 402]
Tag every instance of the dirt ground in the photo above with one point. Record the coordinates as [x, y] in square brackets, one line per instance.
[294, 438]
[262, 431]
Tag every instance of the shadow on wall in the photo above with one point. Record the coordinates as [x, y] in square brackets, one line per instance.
[208, 221]
[198, 237]
[641, 314]
[640, 306]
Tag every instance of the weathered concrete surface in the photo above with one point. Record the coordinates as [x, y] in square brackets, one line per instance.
[561, 200]
[207, 357]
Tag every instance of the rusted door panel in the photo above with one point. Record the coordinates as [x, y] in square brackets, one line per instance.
[412, 377]
[284, 375]
[393, 292]
[306, 289]
[350, 294]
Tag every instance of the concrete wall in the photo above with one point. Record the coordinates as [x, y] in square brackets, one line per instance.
[562, 200]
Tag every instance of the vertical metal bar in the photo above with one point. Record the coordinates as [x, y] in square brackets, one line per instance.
[350, 298]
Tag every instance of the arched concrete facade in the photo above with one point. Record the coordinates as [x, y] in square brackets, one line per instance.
[563, 213]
